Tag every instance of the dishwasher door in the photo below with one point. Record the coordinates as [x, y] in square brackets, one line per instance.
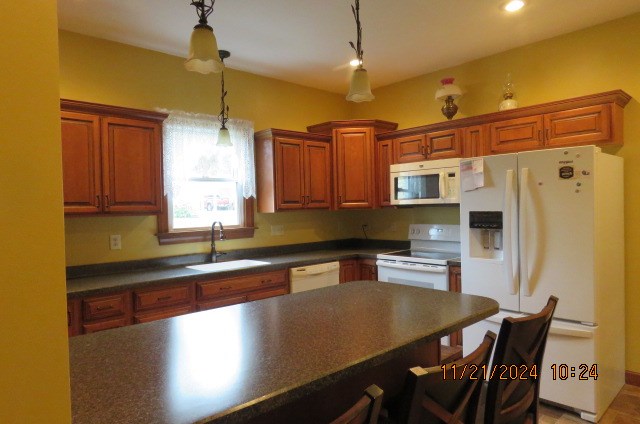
[314, 276]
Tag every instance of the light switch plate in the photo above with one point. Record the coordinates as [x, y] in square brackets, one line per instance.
[277, 230]
[115, 242]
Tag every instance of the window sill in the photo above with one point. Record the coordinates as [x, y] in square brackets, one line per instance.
[198, 236]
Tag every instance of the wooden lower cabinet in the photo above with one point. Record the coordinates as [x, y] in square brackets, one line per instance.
[119, 309]
[368, 269]
[358, 269]
[455, 285]
[162, 314]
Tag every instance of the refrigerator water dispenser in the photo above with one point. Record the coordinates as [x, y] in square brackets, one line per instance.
[486, 234]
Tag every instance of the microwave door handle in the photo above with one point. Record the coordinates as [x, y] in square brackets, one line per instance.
[442, 185]
[510, 278]
[524, 266]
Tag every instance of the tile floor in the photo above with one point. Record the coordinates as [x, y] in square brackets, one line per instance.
[625, 409]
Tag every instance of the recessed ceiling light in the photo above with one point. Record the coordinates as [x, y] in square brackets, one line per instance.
[514, 5]
[354, 62]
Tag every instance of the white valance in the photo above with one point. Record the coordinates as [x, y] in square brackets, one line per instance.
[184, 131]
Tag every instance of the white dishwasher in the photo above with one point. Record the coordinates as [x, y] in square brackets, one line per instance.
[314, 276]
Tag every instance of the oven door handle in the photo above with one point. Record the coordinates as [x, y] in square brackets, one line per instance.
[436, 269]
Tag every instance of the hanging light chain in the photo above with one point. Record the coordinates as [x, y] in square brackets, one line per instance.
[224, 109]
[203, 10]
[358, 46]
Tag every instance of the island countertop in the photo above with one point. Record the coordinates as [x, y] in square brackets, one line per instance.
[236, 363]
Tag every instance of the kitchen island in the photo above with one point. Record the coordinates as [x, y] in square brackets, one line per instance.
[259, 361]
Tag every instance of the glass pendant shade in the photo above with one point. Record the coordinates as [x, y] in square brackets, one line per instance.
[224, 138]
[203, 51]
[360, 90]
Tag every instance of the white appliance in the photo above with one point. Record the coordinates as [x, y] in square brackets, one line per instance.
[425, 263]
[314, 276]
[551, 222]
[426, 182]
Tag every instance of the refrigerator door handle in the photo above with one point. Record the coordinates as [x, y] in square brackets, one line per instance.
[442, 186]
[511, 279]
[524, 269]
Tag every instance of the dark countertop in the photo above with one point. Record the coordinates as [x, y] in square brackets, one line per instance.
[233, 363]
[101, 284]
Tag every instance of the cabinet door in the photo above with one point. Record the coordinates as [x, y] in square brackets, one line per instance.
[289, 173]
[384, 159]
[353, 168]
[317, 168]
[515, 135]
[586, 125]
[474, 140]
[81, 176]
[368, 270]
[410, 149]
[443, 144]
[131, 164]
[348, 270]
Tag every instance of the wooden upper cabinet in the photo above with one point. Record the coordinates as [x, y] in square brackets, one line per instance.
[112, 163]
[353, 168]
[317, 164]
[443, 144]
[81, 168]
[474, 140]
[131, 165]
[516, 135]
[384, 159]
[410, 148]
[293, 170]
[289, 159]
[585, 125]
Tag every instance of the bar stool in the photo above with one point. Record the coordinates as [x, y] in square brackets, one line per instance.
[365, 411]
[520, 346]
[447, 393]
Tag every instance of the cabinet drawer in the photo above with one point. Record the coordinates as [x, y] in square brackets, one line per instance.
[152, 299]
[104, 325]
[167, 313]
[211, 289]
[264, 294]
[94, 308]
[212, 304]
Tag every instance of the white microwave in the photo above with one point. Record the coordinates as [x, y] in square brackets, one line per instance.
[426, 182]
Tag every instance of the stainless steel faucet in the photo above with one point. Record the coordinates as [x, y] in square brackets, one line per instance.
[214, 252]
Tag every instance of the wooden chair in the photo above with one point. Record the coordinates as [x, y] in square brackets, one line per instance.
[450, 394]
[365, 411]
[520, 347]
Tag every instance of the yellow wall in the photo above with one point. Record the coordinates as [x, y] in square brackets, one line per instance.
[601, 58]
[34, 382]
[111, 73]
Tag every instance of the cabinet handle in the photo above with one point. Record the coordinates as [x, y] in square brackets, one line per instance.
[540, 135]
[548, 134]
[308, 199]
[339, 199]
[225, 288]
[302, 200]
[98, 201]
[104, 308]
[107, 204]
[163, 298]
[265, 281]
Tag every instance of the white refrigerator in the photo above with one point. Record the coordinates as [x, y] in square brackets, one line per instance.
[551, 222]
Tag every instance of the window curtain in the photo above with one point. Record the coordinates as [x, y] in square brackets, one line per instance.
[181, 128]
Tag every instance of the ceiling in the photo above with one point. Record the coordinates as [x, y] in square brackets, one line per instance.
[306, 42]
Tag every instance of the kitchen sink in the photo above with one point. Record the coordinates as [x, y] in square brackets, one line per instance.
[227, 266]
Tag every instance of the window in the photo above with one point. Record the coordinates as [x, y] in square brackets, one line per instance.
[204, 182]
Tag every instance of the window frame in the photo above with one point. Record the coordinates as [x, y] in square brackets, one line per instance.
[166, 236]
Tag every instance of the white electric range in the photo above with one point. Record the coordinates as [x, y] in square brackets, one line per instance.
[425, 263]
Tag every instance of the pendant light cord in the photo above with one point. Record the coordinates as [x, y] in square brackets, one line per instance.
[358, 46]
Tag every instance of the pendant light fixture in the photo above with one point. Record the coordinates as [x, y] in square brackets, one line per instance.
[360, 89]
[203, 48]
[224, 138]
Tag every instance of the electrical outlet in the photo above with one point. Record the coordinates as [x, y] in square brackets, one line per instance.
[115, 242]
[277, 230]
